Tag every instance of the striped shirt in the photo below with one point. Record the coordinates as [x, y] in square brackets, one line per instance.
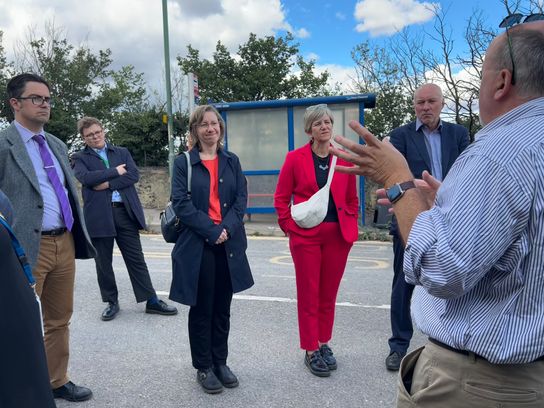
[478, 254]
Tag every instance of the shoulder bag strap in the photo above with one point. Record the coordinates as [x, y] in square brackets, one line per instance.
[189, 172]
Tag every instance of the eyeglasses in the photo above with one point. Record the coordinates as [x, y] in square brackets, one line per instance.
[205, 125]
[89, 135]
[38, 100]
[510, 21]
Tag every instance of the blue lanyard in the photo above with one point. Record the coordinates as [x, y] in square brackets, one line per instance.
[20, 252]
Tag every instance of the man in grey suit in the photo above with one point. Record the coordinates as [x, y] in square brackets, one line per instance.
[37, 178]
[431, 144]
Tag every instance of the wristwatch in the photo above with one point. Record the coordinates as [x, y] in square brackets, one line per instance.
[396, 191]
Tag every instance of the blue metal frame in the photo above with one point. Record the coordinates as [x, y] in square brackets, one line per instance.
[367, 101]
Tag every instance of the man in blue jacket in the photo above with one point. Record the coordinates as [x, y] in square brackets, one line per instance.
[431, 144]
[113, 211]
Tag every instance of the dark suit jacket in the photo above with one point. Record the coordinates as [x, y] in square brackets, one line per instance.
[19, 182]
[90, 170]
[200, 229]
[411, 143]
[24, 380]
[297, 180]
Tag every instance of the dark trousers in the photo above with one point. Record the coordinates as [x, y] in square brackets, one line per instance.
[401, 296]
[128, 241]
[209, 319]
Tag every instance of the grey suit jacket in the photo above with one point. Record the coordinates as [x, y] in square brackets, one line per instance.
[19, 182]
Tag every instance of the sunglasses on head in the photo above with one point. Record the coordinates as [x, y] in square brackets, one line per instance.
[512, 20]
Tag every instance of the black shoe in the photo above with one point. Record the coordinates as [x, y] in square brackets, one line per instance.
[392, 362]
[328, 356]
[227, 378]
[316, 364]
[72, 392]
[160, 308]
[209, 382]
[111, 311]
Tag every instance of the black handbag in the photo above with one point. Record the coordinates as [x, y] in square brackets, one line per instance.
[170, 223]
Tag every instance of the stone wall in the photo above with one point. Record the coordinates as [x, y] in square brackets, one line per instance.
[154, 187]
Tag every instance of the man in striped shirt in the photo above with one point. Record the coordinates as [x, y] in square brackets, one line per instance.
[475, 246]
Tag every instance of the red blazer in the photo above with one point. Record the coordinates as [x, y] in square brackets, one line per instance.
[297, 180]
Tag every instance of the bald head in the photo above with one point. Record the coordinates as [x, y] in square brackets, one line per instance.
[428, 103]
[497, 94]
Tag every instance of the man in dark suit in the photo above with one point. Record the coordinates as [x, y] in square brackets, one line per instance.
[114, 212]
[24, 381]
[36, 176]
[427, 144]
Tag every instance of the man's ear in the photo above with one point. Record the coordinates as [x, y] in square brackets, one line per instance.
[503, 84]
[14, 103]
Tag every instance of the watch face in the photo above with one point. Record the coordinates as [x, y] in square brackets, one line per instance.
[394, 193]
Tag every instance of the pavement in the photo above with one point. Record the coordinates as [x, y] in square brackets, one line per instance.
[266, 225]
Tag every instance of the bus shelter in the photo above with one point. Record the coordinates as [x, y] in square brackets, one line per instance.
[261, 133]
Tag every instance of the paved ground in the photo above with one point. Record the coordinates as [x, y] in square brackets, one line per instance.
[140, 360]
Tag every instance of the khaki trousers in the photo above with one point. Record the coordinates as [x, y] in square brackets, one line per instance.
[54, 273]
[443, 378]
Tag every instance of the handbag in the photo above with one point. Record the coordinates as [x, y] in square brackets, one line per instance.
[311, 213]
[170, 223]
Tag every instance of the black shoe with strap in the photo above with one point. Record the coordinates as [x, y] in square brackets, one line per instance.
[72, 392]
[209, 382]
[392, 362]
[316, 364]
[110, 312]
[328, 356]
[227, 377]
[161, 308]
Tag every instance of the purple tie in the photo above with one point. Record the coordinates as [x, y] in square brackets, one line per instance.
[49, 167]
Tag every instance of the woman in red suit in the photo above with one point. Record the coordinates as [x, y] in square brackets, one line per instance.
[319, 253]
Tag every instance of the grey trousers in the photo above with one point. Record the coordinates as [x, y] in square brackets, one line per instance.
[443, 378]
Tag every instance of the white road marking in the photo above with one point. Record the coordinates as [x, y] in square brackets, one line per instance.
[289, 300]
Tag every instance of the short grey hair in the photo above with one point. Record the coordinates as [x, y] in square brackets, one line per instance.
[528, 55]
[316, 112]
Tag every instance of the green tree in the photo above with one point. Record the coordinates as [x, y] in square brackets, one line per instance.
[265, 68]
[145, 135]
[81, 82]
[379, 73]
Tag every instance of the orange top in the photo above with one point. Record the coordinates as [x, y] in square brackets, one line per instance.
[214, 210]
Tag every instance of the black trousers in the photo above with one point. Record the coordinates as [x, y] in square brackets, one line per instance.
[209, 319]
[128, 241]
[401, 297]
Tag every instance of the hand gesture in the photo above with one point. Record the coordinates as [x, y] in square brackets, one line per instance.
[121, 169]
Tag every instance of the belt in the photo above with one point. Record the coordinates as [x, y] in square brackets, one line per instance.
[54, 232]
[466, 352]
[117, 204]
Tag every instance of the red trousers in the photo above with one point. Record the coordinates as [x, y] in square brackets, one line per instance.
[319, 265]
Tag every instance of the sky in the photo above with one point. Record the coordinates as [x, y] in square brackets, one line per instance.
[326, 30]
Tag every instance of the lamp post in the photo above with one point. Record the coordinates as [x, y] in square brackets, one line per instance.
[171, 155]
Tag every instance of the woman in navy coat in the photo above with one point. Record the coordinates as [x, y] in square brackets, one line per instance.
[209, 258]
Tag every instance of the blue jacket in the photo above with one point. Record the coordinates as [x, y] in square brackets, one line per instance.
[199, 229]
[90, 170]
[411, 143]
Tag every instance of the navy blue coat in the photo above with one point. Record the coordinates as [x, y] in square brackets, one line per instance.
[411, 143]
[199, 228]
[90, 170]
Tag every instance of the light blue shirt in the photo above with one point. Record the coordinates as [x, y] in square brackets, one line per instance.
[52, 213]
[478, 254]
[434, 147]
[115, 196]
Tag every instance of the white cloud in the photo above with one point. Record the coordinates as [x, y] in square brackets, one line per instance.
[340, 16]
[133, 29]
[386, 17]
[311, 56]
[339, 74]
[302, 33]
